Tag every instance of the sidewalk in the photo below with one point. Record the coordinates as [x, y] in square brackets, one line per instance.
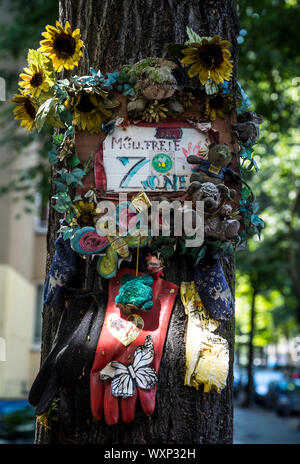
[262, 426]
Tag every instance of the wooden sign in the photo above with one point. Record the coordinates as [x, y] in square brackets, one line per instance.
[151, 157]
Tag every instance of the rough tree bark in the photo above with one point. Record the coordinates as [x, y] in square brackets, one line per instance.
[117, 32]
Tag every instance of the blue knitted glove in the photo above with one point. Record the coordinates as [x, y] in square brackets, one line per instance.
[64, 265]
[213, 288]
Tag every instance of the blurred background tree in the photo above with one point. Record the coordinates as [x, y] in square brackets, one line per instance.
[268, 279]
[20, 30]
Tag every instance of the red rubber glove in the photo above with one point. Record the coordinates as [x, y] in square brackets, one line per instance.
[109, 349]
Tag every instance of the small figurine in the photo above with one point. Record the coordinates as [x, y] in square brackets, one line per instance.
[154, 266]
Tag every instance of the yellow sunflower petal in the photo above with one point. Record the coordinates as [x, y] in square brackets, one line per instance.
[213, 114]
[215, 39]
[220, 112]
[59, 27]
[68, 29]
[47, 35]
[216, 77]
[51, 29]
[226, 53]
[225, 44]
[76, 34]
[188, 51]
[188, 60]
[46, 42]
[203, 75]
[194, 70]
[25, 77]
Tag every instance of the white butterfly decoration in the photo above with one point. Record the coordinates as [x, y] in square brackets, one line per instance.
[126, 377]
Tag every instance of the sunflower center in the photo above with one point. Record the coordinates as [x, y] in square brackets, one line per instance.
[210, 55]
[64, 45]
[85, 105]
[216, 102]
[86, 219]
[36, 80]
[30, 109]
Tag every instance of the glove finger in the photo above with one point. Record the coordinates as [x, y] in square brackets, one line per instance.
[78, 356]
[97, 395]
[46, 382]
[128, 408]
[44, 400]
[75, 368]
[147, 400]
[111, 406]
[47, 376]
[41, 381]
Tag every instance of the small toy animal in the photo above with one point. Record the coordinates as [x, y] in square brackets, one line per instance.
[214, 169]
[217, 221]
[247, 126]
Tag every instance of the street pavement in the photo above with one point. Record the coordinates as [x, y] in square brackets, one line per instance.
[262, 426]
[251, 426]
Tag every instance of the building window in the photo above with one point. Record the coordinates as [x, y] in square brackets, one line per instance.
[37, 329]
[41, 219]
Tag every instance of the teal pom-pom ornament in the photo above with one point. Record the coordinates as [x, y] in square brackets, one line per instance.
[135, 293]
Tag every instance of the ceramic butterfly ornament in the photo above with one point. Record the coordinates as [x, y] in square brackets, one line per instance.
[139, 373]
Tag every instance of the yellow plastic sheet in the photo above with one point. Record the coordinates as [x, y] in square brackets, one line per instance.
[207, 354]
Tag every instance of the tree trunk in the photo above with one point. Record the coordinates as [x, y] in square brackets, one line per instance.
[250, 384]
[117, 32]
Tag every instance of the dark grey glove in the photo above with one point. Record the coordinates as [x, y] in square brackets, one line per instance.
[65, 372]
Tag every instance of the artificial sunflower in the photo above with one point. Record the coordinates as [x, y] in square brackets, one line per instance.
[38, 77]
[85, 213]
[25, 111]
[86, 114]
[209, 59]
[90, 110]
[217, 106]
[62, 45]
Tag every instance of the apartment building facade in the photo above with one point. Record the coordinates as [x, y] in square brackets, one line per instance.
[22, 271]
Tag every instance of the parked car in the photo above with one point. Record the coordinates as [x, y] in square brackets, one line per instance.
[17, 421]
[239, 381]
[262, 379]
[284, 396]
